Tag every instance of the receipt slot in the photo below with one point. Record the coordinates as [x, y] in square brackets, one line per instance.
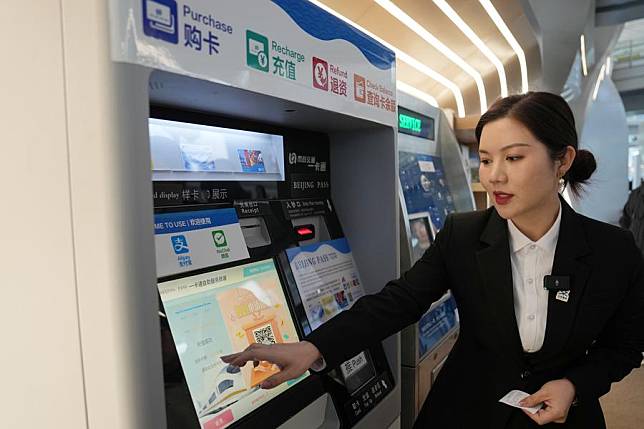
[433, 184]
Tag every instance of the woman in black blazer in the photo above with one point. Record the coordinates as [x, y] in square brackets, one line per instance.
[594, 317]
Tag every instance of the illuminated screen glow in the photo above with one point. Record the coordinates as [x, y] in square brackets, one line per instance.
[415, 124]
[223, 312]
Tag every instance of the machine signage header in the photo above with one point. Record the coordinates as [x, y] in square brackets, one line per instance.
[290, 49]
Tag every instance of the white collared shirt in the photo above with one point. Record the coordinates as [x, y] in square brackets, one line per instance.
[531, 262]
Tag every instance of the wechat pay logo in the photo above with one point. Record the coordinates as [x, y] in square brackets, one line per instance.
[219, 238]
[256, 51]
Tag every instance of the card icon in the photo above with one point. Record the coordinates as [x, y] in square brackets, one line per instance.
[320, 74]
[219, 238]
[160, 20]
[359, 88]
[256, 51]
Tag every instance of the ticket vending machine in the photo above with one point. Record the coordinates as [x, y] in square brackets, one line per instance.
[432, 185]
[250, 249]
[96, 313]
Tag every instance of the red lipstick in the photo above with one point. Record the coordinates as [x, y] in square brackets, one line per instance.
[502, 198]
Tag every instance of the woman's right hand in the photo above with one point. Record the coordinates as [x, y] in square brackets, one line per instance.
[293, 359]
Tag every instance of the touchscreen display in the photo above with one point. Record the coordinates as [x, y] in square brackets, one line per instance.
[222, 312]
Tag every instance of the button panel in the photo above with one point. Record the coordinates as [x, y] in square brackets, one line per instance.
[367, 397]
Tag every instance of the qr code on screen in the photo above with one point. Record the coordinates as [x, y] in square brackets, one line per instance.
[264, 335]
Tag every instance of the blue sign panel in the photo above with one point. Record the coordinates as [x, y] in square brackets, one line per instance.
[435, 324]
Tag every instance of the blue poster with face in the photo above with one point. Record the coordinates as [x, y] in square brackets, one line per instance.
[424, 186]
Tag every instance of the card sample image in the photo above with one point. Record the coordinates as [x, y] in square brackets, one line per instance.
[327, 278]
[251, 161]
[197, 157]
[222, 312]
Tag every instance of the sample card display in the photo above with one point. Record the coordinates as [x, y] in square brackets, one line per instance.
[186, 241]
[223, 312]
[327, 278]
[186, 151]
[197, 157]
[424, 187]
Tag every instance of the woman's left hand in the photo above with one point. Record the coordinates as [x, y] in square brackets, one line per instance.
[556, 396]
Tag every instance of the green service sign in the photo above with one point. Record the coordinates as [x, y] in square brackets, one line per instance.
[415, 124]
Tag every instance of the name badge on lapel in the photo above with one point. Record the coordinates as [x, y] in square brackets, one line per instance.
[560, 284]
[563, 295]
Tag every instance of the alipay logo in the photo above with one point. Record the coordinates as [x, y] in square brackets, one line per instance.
[179, 244]
[160, 20]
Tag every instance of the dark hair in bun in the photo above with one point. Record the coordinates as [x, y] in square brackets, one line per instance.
[549, 118]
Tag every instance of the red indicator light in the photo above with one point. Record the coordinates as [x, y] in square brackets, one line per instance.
[304, 231]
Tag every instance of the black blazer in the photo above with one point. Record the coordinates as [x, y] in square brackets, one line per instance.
[594, 339]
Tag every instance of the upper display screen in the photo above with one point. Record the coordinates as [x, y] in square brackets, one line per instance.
[223, 312]
[415, 124]
[185, 151]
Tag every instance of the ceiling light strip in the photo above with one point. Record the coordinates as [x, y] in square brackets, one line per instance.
[509, 37]
[460, 106]
[414, 26]
[476, 40]
[599, 81]
[406, 58]
[415, 92]
[584, 64]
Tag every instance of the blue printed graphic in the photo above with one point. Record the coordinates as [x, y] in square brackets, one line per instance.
[324, 26]
[425, 190]
[340, 244]
[435, 324]
[179, 244]
[169, 223]
[160, 20]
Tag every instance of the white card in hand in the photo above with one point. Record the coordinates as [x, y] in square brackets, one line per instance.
[513, 398]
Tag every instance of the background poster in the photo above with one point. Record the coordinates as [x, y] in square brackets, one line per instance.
[421, 237]
[223, 312]
[424, 186]
[326, 277]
